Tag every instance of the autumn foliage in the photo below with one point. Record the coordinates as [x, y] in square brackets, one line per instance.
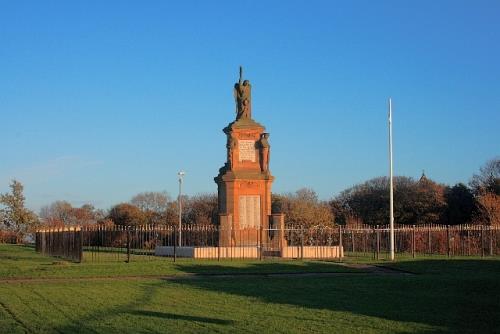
[303, 208]
[423, 201]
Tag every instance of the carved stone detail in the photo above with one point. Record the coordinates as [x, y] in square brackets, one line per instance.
[264, 152]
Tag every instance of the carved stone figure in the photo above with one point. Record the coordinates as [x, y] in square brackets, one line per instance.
[264, 152]
[242, 95]
[232, 145]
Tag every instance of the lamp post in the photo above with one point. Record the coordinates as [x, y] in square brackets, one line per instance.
[181, 175]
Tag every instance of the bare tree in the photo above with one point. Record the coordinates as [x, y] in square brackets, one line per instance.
[486, 187]
[152, 201]
[488, 179]
[154, 206]
[200, 209]
[57, 213]
[63, 213]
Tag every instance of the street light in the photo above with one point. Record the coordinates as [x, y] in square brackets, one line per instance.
[181, 175]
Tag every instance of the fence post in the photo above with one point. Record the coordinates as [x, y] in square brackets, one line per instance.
[448, 238]
[175, 243]
[482, 240]
[429, 251]
[128, 243]
[378, 243]
[468, 240]
[218, 243]
[491, 241]
[413, 241]
[301, 245]
[352, 240]
[372, 245]
[80, 245]
[341, 250]
[261, 242]
[365, 241]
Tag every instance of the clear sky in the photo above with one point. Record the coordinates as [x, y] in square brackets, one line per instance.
[100, 100]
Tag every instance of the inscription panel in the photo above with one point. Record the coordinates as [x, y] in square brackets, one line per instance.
[249, 210]
[246, 150]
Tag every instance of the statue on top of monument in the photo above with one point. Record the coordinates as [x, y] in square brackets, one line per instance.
[242, 95]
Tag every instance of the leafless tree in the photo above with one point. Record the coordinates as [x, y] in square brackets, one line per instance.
[63, 213]
[152, 201]
[488, 179]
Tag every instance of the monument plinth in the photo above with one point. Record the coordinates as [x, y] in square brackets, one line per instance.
[244, 182]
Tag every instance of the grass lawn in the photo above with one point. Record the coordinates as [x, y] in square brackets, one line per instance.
[22, 262]
[445, 296]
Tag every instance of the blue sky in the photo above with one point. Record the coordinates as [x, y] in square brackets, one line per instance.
[100, 100]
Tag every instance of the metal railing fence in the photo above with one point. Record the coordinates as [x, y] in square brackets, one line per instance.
[126, 243]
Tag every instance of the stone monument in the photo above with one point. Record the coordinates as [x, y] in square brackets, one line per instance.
[244, 182]
[247, 227]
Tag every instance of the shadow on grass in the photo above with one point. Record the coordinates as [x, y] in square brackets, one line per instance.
[163, 315]
[452, 296]
[99, 321]
[449, 296]
[263, 267]
[477, 268]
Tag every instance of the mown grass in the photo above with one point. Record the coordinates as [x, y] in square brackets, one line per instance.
[445, 296]
[22, 262]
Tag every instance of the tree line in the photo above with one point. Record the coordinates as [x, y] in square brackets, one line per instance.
[423, 201]
[416, 202]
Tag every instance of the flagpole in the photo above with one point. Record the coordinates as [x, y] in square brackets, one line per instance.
[391, 193]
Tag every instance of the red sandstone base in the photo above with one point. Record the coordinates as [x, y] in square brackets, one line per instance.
[249, 252]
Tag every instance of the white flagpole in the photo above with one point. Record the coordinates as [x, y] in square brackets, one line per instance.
[391, 194]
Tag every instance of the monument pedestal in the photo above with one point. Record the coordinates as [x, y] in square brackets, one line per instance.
[244, 185]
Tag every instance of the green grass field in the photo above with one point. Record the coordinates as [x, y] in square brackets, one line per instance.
[444, 296]
[23, 262]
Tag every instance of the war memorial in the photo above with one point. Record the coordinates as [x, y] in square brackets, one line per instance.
[247, 227]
